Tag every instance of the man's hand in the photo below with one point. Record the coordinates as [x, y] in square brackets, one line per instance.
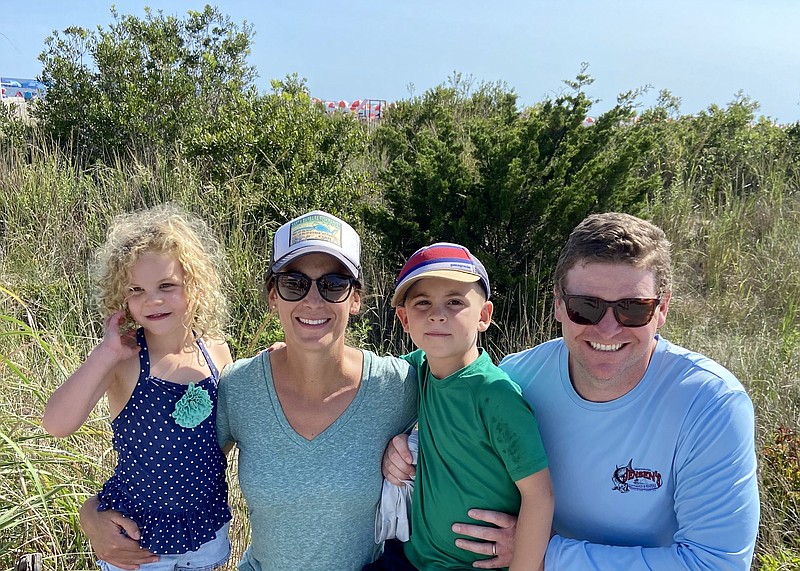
[397, 461]
[494, 540]
[105, 533]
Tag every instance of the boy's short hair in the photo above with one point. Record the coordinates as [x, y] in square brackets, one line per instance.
[442, 260]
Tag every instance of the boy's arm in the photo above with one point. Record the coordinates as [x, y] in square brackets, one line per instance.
[70, 405]
[534, 522]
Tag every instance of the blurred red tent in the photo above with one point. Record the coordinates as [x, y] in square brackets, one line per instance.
[365, 109]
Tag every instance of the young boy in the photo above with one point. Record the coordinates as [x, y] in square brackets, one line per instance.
[479, 445]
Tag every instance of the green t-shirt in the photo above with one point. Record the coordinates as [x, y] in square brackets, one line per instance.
[477, 436]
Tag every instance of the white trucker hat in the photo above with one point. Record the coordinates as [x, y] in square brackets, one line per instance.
[316, 232]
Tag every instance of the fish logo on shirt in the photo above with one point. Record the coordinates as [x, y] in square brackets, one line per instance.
[627, 478]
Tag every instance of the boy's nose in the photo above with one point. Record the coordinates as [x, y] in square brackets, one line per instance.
[436, 315]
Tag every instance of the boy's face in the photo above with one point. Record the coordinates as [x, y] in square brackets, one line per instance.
[444, 318]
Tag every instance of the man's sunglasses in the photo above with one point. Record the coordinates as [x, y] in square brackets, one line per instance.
[294, 286]
[630, 312]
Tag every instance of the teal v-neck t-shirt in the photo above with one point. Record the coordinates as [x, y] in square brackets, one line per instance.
[312, 502]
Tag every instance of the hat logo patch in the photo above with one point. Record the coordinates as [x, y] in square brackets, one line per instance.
[316, 227]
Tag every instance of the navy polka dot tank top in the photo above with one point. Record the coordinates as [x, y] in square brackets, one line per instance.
[169, 479]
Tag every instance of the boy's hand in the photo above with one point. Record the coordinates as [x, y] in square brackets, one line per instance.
[494, 540]
[104, 530]
[397, 461]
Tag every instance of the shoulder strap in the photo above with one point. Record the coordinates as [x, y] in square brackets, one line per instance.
[209, 362]
[144, 354]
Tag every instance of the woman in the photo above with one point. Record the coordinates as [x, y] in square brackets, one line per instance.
[311, 419]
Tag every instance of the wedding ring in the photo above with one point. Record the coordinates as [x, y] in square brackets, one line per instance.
[494, 549]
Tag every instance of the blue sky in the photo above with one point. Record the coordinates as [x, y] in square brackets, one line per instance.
[703, 51]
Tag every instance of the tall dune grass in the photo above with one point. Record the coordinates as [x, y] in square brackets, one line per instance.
[736, 299]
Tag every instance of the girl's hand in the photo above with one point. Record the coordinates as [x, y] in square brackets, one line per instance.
[123, 345]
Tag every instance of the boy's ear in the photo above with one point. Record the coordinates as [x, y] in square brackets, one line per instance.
[402, 316]
[486, 316]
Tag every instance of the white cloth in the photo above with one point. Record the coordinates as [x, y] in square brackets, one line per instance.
[394, 510]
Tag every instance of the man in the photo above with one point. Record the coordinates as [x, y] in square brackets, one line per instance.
[651, 446]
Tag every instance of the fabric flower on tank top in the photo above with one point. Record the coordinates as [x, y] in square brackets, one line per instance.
[193, 407]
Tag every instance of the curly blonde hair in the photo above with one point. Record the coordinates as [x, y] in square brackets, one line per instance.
[164, 229]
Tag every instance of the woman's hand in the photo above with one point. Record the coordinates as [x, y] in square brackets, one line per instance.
[105, 532]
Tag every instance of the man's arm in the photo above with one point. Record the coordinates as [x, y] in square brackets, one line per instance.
[501, 534]
[104, 530]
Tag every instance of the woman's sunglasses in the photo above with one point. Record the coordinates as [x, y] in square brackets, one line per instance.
[294, 286]
[630, 312]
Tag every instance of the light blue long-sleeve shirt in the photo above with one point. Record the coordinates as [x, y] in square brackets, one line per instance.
[662, 478]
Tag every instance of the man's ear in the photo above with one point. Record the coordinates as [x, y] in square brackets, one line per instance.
[402, 316]
[486, 316]
[663, 309]
[558, 311]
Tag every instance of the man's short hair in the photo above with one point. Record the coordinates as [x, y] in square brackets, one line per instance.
[617, 237]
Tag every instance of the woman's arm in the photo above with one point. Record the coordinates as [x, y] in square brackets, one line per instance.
[114, 538]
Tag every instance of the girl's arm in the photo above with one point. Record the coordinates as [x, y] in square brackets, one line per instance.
[70, 405]
[534, 523]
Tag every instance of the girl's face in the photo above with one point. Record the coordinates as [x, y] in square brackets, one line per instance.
[313, 321]
[156, 297]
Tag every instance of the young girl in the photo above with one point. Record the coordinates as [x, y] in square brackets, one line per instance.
[160, 294]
